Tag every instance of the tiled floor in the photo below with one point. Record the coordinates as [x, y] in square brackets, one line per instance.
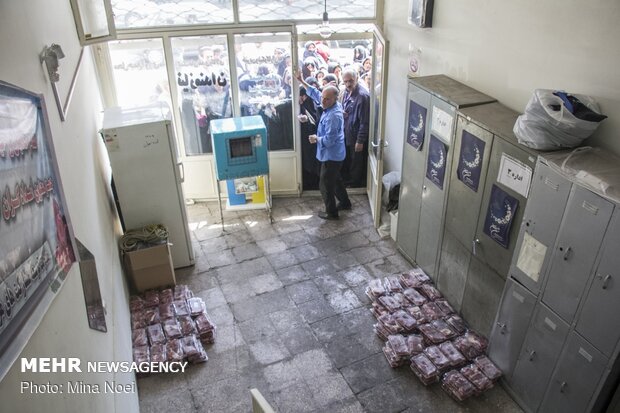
[293, 320]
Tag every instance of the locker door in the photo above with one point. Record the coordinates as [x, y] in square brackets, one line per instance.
[579, 370]
[600, 317]
[487, 249]
[435, 184]
[510, 326]
[540, 226]
[538, 357]
[580, 236]
[413, 173]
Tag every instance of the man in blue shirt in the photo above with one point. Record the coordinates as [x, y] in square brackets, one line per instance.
[330, 149]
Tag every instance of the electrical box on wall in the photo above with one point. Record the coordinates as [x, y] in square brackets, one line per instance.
[240, 147]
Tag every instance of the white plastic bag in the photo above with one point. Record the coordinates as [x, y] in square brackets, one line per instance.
[390, 180]
[543, 128]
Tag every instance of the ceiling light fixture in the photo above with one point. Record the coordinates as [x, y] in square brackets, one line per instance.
[324, 30]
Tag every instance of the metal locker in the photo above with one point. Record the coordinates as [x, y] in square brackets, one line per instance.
[510, 326]
[485, 248]
[600, 318]
[538, 357]
[574, 382]
[578, 242]
[412, 177]
[482, 295]
[539, 228]
[453, 267]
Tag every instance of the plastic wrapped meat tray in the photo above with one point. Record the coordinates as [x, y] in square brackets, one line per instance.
[182, 292]
[393, 360]
[206, 328]
[476, 377]
[431, 334]
[151, 298]
[194, 350]
[166, 311]
[174, 350]
[406, 321]
[166, 296]
[156, 334]
[151, 315]
[389, 302]
[375, 289]
[416, 277]
[392, 284]
[457, 386]
[158, 353]
[390, 324]
[381, 331]
[181, 308]
[489, 369]
[139, 337]
[136, 303]
[378, 310]
[187, 325]
[444, 329]
[439, 359]
[415, 344]
[471, 345]
[141, 354]
[408, 280]
[424, 369]
[414, 296]
[196, 306]
[452, 353]
[416, 312]
[172, 329]
[456, 323]
[430, 292]
[402, 301]
[398, 344]
[137, 320]
[431, 311]
[444, 306]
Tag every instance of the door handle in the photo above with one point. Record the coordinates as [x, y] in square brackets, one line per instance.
[606, 281]
[502, 328]
[182, 170]
[562, 387]
[374, 145]
[566, 253]
[532, 354]
[475, 242]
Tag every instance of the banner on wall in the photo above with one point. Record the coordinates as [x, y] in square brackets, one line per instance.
[36, 242]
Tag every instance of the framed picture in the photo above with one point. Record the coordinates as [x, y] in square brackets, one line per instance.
[421, 13]
[37, 247]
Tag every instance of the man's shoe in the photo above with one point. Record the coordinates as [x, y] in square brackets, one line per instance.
[325, 215]
[345, 207]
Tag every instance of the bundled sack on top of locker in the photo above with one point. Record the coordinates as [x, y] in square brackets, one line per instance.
[555, 120]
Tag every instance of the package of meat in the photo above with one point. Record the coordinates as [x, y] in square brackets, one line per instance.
[398, 343]
[166, 296]
[375, 289]
[136, 303]
[181, 308]
[430, 292]
[156, 334]
[418, 275]
[406, 321]
[489, 369]
[172, 328]
[392, 284]
[139, 337]
[455, 356]
[389, 302]
[166, 311]
[457, 386]
[151, 315]
[457, 323]
[408, 280]
[391, 357]
[424, 369]
[471, 344]
[174, 350]
[196, 306]
[401, 300]
[381, 331]
[137, 320]
[414, 296]
[476, 377]
[444, 306]
[437, 357]
[431, 334]
[182, 292]
[187, 325]
[390, 324]
[208, 337]
[203, 323]
[151, 298]
[141, 354]
[444, 329]
[416, 312]
[158, 353]
[378, 310]
[431, 311]
[415, 344]
[194, 351]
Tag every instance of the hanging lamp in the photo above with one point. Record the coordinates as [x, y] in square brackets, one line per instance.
[324, 30]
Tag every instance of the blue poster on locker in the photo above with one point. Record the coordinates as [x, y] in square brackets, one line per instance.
[470, 160]
[500, 214]
[436, 163]
[416, 125]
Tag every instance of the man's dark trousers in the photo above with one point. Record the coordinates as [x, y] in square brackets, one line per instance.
[332, 187]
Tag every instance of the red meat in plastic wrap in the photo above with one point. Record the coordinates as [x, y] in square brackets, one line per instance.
[415, 344]
[389, 322]
[398, 343]
[156, 334]
[392, 284]
[137, 320]
[166, 311]
[430, 292]
[455, 356]
[187, 325]
[196, 306]
[139, 337]
[203, 323]
[166, 296]
[381, 331]
[389, 302]
[416, 312]
[402, 301]
[457, 386]
[437, 357]
[456, 323]
[408, 280]
[471, 344]
[476, 377]
[431, 334]
[391, 357]
[141, 354]
[172, 329]
[151, 316]
[414, 296]
[406, 321]
[193, 349]
[174, 350]
[182, 292]
[181, 308]
[136, 303]
[151, 298]
[158, 353]
[375, 288]
[378, 310]
[444, 306]
[431, 311]
[444, 329]
[488, 368]
[424, 369]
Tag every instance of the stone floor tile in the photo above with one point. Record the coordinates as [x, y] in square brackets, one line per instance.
[292, 275]
[303, 292]
[315, 310]
[367, 373]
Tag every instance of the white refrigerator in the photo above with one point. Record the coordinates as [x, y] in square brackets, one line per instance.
[147, 174]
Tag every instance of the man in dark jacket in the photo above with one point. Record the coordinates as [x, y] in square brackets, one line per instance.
[356, 106]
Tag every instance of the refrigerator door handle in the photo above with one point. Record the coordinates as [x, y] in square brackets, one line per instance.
[182, 169]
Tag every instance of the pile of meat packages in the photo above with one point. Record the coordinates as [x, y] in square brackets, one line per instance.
[420, 327]
[170, 325]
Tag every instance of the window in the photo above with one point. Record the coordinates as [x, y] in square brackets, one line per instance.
[274, 10]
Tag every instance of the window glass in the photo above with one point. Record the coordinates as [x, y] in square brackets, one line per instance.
[264, 69]
[253, 10]
[202, 76]
[139, 71]
[378, 90]
[129, 14]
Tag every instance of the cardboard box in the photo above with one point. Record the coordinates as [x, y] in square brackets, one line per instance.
[150, 268]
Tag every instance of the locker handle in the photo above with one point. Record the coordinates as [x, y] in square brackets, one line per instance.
[502, 327]
[566, 253]
[532, 354]
[606, 281]
[182, 170]
[475, 242]
[562, 387]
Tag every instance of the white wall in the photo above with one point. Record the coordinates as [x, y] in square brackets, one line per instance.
[507, 49]
[25, 28]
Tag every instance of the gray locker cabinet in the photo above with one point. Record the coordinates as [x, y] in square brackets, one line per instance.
[540, 225]
[413, 171]
[599, 317]
[510, 327]
[487, 249]
[581, 233]
[538, 357]
[580, 368]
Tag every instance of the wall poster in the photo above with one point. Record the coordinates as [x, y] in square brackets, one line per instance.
[36, 240]
[500, 214]
[436, 163]
[470, 160]
[416, 125]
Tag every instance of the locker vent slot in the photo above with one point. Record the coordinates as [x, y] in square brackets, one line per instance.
[585, 354]
[518, 297]
[551, 184]
[550, 324]
[590, 208]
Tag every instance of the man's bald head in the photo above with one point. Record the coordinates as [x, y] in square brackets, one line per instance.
[329, 96]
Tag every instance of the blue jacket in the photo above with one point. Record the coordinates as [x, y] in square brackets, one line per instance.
[330, 132]
[357, 115]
